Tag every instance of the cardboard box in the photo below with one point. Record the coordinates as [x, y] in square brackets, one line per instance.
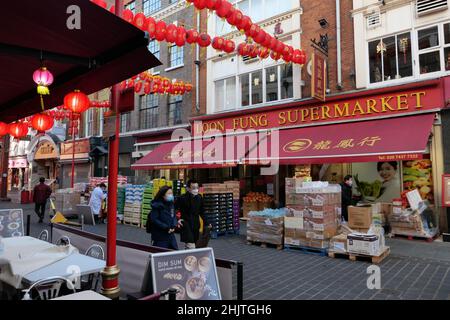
[359, 217]
[325, 213]
[249, 207]
[364, 244]
[264, 205]
[339, 243]
[303, 228]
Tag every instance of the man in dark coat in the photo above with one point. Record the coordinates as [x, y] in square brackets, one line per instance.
[41, 194]
[347, 195]
[191, 207]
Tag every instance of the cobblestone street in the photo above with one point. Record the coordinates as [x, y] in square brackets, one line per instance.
[414, 270]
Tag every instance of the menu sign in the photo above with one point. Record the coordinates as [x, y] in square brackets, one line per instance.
[11, 223]
[446, 190]
[192, 272]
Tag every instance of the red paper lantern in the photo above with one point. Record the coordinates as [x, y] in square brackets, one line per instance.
[138, 87]
[213, 4]
[275, 56]
[42, 122]
[279, 47]
[287, 50]
[260, 37]
[244, 49]
[267, 41]
[76, 102]
[224, 9]
[100, 3]
[52, 113]
[147, 88]
[204, 40]
[253, 31]
[18, 130]
[181, 37]
[155, 88]
[188, 87]
[229, 46]
[161, 29]
[171, 33]
[165, 83]
[264, 53]
[218, 43]
[297, 56]
[253, 51]
[245, 24]
[128, 15]
[151, 27]
[112, 9]
[191, 36]
[140, 21]
[303, 59]
[4, 129]
[200, 4]
[235, 18]
[287, 57]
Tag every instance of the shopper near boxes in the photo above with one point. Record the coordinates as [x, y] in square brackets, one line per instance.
[347, 195]
[163, 220]
[96, 201]
[41, 193]
[192, 210]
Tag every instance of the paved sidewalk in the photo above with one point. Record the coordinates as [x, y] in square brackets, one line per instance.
[414, 270]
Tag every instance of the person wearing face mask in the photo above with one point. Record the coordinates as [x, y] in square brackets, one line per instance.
[191, 207]
[163, 220]
[347, 195]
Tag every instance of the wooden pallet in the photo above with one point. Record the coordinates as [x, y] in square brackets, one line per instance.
[361, 257]
[412, 238]
[265, 244]
[307, 250]
[130, 223]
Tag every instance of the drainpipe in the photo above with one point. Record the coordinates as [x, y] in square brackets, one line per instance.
[197, 70]
[339, 47]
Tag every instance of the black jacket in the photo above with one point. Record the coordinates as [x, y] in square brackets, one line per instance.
[163, 219]
[191, 208]
[347, 199]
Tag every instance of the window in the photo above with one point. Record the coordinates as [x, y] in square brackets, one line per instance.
[434, 49]
[390, 58]
[176, 56]
[151, 6]
[175, 110]
[424, 7]
[89, 122]
[131, 6]
[287, 81]
[154, 47]
[257, 87]
[149, 111]
[245, 90]
[225, 94]
[124, 122]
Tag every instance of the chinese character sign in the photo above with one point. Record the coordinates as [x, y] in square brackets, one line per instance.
[319, 77]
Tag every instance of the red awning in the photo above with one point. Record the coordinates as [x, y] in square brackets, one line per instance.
[103, 52]
[394, 139]
[218, 152]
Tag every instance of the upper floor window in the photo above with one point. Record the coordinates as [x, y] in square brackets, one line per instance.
[124, 120]
[151, 6]
[131, 6]
[390, 58]
[154, 47]
[434, 48]
[258, 10]
[89, 131]
[176, 56]
[225, 94]
[149, 111]
[175, 116]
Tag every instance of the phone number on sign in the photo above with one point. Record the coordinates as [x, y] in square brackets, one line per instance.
[226, 310]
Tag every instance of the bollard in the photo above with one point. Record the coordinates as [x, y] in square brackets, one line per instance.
[240, 281]
[172, 294]
[28, 224]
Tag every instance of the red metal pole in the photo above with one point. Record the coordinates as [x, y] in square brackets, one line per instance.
[73, 154]
[110, 274]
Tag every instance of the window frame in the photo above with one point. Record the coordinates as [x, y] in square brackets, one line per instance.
[131, 6]
[153, 6]
[154, 108]
[177, 103]
[179, 56]
[124, 120]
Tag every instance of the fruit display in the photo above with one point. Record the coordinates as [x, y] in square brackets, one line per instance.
[370, 191]
[418, 175]
[257, 197]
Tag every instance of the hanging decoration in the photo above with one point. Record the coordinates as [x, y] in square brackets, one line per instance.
[4, 129]
[43, 78]
[403, 46]
[42, 122]
[76, 101]
[18, 130]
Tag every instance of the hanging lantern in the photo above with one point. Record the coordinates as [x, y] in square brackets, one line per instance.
[275, 56]
[161, 90]
[43, 78]
[253, 51]
[151, 27]
[181, 37]
[243, 49]
[140, 21]
[155, 88]
[245, 24]
[161, 29]
[190, 1]
[267, 40]
[279, 47]
[287, 50]
[100, 3]
[303, 60]
[42, 122]
[191, 36]
[52, 113]
[235, 18]
[171, 33]
[112, 9]
[4, 129]
[224, 9]
[264, 53]
[188, 87]
[218, 43]
[229, 46]
[213, 4]
[128, 15]
[204, 40]
[147, 88]
[253, 31]
[76, 101]
[157, 80]
[18, 130]
[200, 4]
[130, 84]
[122, 85]
[287, 58]
[260, 37]
[138, 87]
[273, 43]
[297, 56]
[60, 107]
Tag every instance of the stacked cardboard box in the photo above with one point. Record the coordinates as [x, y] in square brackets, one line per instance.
[256, 201]
[133, 204]
[314, 213]
[146, 204]
[414, 223]
[120, 200]
[266, 227]
[66, 200]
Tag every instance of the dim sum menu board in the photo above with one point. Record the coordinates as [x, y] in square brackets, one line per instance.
[11, 223]
[446, 191]
[192, 272]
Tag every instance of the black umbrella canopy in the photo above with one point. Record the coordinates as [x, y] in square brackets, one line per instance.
[103, 52]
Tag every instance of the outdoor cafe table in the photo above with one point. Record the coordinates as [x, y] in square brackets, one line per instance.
[26, 260]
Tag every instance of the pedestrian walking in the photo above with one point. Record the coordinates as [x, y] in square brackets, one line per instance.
[41, 193]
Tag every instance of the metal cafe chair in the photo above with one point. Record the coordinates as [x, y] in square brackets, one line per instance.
[91, 281]
[48, 288]
[63, 241]
[44, 236]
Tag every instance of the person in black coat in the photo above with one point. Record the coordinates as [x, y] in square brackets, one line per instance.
[163, 220]
[191, 207]
[347, 195]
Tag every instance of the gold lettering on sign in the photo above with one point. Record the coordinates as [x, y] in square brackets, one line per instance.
[341, 112]
[263, 120]
[372, 106]
[292, 119]
[305, 114]
[315, 114]
[419, 96]
[358, 109]
[326, 112]
[282, 118]
[402, 99]
[385, 104]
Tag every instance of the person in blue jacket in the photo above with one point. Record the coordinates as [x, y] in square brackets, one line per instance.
[163, 220]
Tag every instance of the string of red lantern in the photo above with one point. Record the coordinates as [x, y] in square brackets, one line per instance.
[151, 84]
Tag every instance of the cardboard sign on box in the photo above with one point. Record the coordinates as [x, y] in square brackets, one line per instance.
[359, 217]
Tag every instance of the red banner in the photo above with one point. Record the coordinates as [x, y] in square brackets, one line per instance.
[319, 77]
